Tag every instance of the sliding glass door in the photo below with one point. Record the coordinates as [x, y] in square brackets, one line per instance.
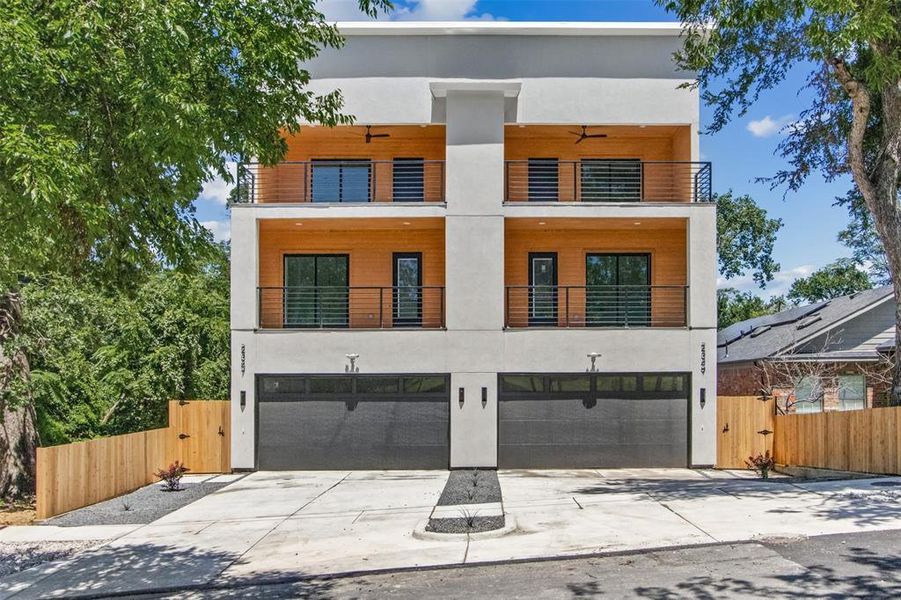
[316, 290]
[407, 303]
[542, 288]
[618, 292]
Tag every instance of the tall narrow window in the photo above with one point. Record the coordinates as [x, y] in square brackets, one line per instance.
[342, 180]
[618, 292]
[408, 178]
[407, 297]
[544, 177]
[610, 180]
[542, 288]
[316, 291]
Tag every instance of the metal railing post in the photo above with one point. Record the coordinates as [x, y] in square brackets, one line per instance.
[381, 308]
[566, 317]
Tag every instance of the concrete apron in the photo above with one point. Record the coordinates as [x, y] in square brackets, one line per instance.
[284, 526]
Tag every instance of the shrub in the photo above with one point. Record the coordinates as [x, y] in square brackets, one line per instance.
[762, 464]
[172, 475]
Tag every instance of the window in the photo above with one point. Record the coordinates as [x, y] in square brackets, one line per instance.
[618, 292]
[341, 180]
[407, 296]
[809, 395]
[543, 179]
[852, 392]
[315, 290]
[408, 178]
[611, 180]
[522, 383]
[542, 288]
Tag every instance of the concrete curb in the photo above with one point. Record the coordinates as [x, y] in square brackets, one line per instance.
[421, 534]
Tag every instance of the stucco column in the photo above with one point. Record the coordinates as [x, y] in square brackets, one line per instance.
[244, 277]
[702, 322]
[474, 270]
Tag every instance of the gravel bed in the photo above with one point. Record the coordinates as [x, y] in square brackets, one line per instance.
[471, 486]
[462, 524]
[18, 556]
[141, 506]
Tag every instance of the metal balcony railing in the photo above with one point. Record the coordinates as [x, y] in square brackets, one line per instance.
[329, 307]
[342, 181]
[616, 306]
[607, 180]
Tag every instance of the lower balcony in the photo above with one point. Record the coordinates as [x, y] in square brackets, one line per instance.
[338, 307]
[613, 306]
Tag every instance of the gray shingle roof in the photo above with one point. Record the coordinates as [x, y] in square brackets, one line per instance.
[765, 336]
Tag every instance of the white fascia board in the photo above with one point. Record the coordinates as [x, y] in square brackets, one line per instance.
[351, 28]
[509, 88]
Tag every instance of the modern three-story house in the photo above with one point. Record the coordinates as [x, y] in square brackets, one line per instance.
[508, 261]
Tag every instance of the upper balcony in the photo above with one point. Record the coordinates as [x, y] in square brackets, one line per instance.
[355, 165]
[603, 164]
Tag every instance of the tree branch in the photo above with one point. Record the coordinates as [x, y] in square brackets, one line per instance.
[860, 116]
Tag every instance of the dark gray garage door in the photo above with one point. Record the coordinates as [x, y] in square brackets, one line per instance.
[352, 422]
[593, 420]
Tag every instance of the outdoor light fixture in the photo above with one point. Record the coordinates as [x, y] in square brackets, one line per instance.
[352, 368]
[703, 397]
[243, 400]
[593, 357]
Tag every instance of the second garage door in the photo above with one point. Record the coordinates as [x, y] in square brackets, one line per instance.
[329, 422]
[594, 420]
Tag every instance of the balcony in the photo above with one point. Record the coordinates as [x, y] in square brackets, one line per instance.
[598, 180]
[339, 307]
[620, 306]
[341, 181]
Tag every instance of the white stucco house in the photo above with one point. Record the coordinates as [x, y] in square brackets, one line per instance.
[508, 261]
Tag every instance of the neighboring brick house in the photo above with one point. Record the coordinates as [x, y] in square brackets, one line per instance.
[826, 356]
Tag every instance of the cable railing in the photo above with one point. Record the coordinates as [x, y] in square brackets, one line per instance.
[607, 180]
[341, 181]
[614, 306]
[337, 307]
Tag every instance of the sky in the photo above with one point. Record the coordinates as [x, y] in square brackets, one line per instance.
[740, 153]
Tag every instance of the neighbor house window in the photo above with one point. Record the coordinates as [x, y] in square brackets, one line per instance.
[852, 392]
[341, 180]
[809, 395]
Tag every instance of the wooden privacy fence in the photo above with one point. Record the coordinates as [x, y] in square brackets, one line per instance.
[75, 475]
[855, 440]
[744, 426]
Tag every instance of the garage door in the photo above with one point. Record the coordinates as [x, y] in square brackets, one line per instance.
[593, 420]
[352, 422]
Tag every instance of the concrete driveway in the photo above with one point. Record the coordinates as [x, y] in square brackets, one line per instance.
[276, 526]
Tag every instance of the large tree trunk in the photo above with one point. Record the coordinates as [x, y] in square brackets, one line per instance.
[18, 436]
[878, 182]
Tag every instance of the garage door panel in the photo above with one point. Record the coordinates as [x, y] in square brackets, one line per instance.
[538, 430]
[399, 431]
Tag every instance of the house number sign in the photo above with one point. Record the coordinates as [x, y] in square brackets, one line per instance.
[243, 360]
[703, 358]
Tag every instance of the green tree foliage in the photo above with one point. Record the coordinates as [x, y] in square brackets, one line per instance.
[839, 278]
[734, 306]
[745, 238]
[861, 238]
[115, 112]
[851, 51]
[106, 362]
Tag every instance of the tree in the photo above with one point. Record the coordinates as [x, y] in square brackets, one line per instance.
[839, 278]
[745, 238]
[734, 306]
[861, 238]
[851, 50]
[113, 115]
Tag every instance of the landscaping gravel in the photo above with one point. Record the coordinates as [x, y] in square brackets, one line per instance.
[462, 524]
[470, 486]
[144, 505]
[18, 556]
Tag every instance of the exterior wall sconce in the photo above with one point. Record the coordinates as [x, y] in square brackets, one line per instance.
[352, 367]
[593, 357]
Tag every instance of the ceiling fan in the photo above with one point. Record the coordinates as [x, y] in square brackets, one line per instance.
[584, 135]
[369, 135]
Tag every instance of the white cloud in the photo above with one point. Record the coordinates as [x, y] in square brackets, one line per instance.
[220, 229]
[782, 281]
[769, 126]
[217, 190]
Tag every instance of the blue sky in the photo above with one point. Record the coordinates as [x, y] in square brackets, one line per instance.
[740, 152]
